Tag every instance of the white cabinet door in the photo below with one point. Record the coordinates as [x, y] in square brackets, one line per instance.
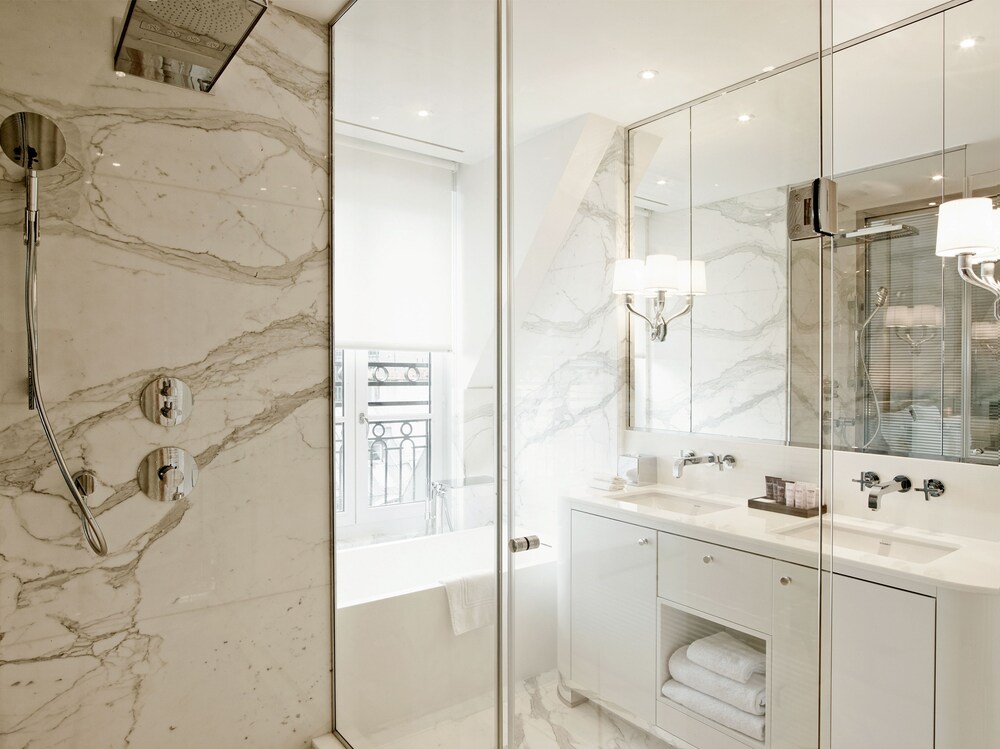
[882, 667]
[793, 702]
[613, 612]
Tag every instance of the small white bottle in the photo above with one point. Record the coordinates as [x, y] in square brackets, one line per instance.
[790, 494]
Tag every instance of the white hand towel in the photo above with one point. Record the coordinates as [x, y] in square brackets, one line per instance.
[727, 656]
[750, 697]
[716, 710]
[472, 601]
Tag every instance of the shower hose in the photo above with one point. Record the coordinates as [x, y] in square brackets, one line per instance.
[91, 530]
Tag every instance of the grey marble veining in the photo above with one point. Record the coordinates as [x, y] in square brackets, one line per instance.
[567, 368]
[187, 234]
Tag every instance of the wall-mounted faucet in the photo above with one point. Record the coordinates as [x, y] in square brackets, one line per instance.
[688, 458]
[899, 484]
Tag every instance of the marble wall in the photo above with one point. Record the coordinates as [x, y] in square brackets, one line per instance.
[722, 370]
[568, 349]
[186, 234]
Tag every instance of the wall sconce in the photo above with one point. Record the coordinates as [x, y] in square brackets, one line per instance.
[986, 335]
[969, 229]
[659, 277]
[914, 325]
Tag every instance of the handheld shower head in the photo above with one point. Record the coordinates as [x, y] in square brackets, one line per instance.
[881, 297]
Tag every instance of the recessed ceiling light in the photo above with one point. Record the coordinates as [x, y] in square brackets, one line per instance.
[648, 75]
[661, 182]
[263, 189]
[115, 163]
[767, 69]
[424, 113]
[937, 177]
[968, 42]
[375, 117]
[932, 203]
[120, 73]
[745, 117]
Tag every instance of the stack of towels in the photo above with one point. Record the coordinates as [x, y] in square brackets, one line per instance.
[722, 679]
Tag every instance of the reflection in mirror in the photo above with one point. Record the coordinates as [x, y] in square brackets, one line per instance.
[913, 371]
[710, 184]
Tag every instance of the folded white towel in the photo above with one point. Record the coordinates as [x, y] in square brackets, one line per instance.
[472, 601]
[750, 697]
[716, 710]
[605, 486]
[727, 656]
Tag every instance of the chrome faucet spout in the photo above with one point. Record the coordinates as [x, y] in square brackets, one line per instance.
[900, 484]
[688, 458]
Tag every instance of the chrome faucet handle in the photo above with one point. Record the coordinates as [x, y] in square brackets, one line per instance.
[686, 454]
[932, 488]
[868, 480]
[726, 462]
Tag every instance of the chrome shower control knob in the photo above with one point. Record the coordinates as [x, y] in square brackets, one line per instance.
[167, 474]
[166, 401]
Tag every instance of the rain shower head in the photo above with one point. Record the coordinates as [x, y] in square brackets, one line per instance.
[32, 141]
[186, 43]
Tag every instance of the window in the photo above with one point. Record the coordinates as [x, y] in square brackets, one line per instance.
[389, 425]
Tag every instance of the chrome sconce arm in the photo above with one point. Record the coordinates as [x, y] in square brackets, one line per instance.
[986, 279]
[658, 324]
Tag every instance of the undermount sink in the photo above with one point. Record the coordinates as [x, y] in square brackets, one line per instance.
[672, 503]
[871, 542]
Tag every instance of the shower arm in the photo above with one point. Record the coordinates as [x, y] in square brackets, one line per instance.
[91, 530]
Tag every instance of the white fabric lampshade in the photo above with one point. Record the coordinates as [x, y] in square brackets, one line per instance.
[986, 331]
[661, 273]
[629, 276]
[965, 226]
[927, 316]
[993, 253]
[691, 278]
[899, 317]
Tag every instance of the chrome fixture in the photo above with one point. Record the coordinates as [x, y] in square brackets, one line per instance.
[186, 43]
[638, 470]
[167, 474]
[166, 401]
[35, 143]
[881, 296]
[688, 458]
[933, 488]
[524, 543]
[659, 277]
[812, 210]
[969, 230]
[868, 480]
[899, 484]
[876, 232]
[915, 325]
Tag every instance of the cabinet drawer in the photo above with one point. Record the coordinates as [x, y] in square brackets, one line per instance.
[727, 583]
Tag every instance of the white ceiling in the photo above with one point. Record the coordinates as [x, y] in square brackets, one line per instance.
[321, 10]
[573, 57]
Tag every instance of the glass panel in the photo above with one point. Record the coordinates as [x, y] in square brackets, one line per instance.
[416, 249]
[604, 623]
[915, 125]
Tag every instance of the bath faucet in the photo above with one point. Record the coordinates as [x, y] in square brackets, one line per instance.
[688, 458]
[899, 484]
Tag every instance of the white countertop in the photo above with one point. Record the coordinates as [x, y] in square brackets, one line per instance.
[974, 565]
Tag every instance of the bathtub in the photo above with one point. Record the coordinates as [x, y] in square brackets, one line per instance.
[398, 661]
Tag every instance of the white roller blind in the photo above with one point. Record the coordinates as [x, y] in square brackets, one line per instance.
[393, 250]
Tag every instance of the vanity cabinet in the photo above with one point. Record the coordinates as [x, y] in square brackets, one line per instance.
[882, 646]
[794, 697]
[613, 612]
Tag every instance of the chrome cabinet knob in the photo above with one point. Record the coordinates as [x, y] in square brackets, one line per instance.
[707, 559]
[785, 580]
[643, 541]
